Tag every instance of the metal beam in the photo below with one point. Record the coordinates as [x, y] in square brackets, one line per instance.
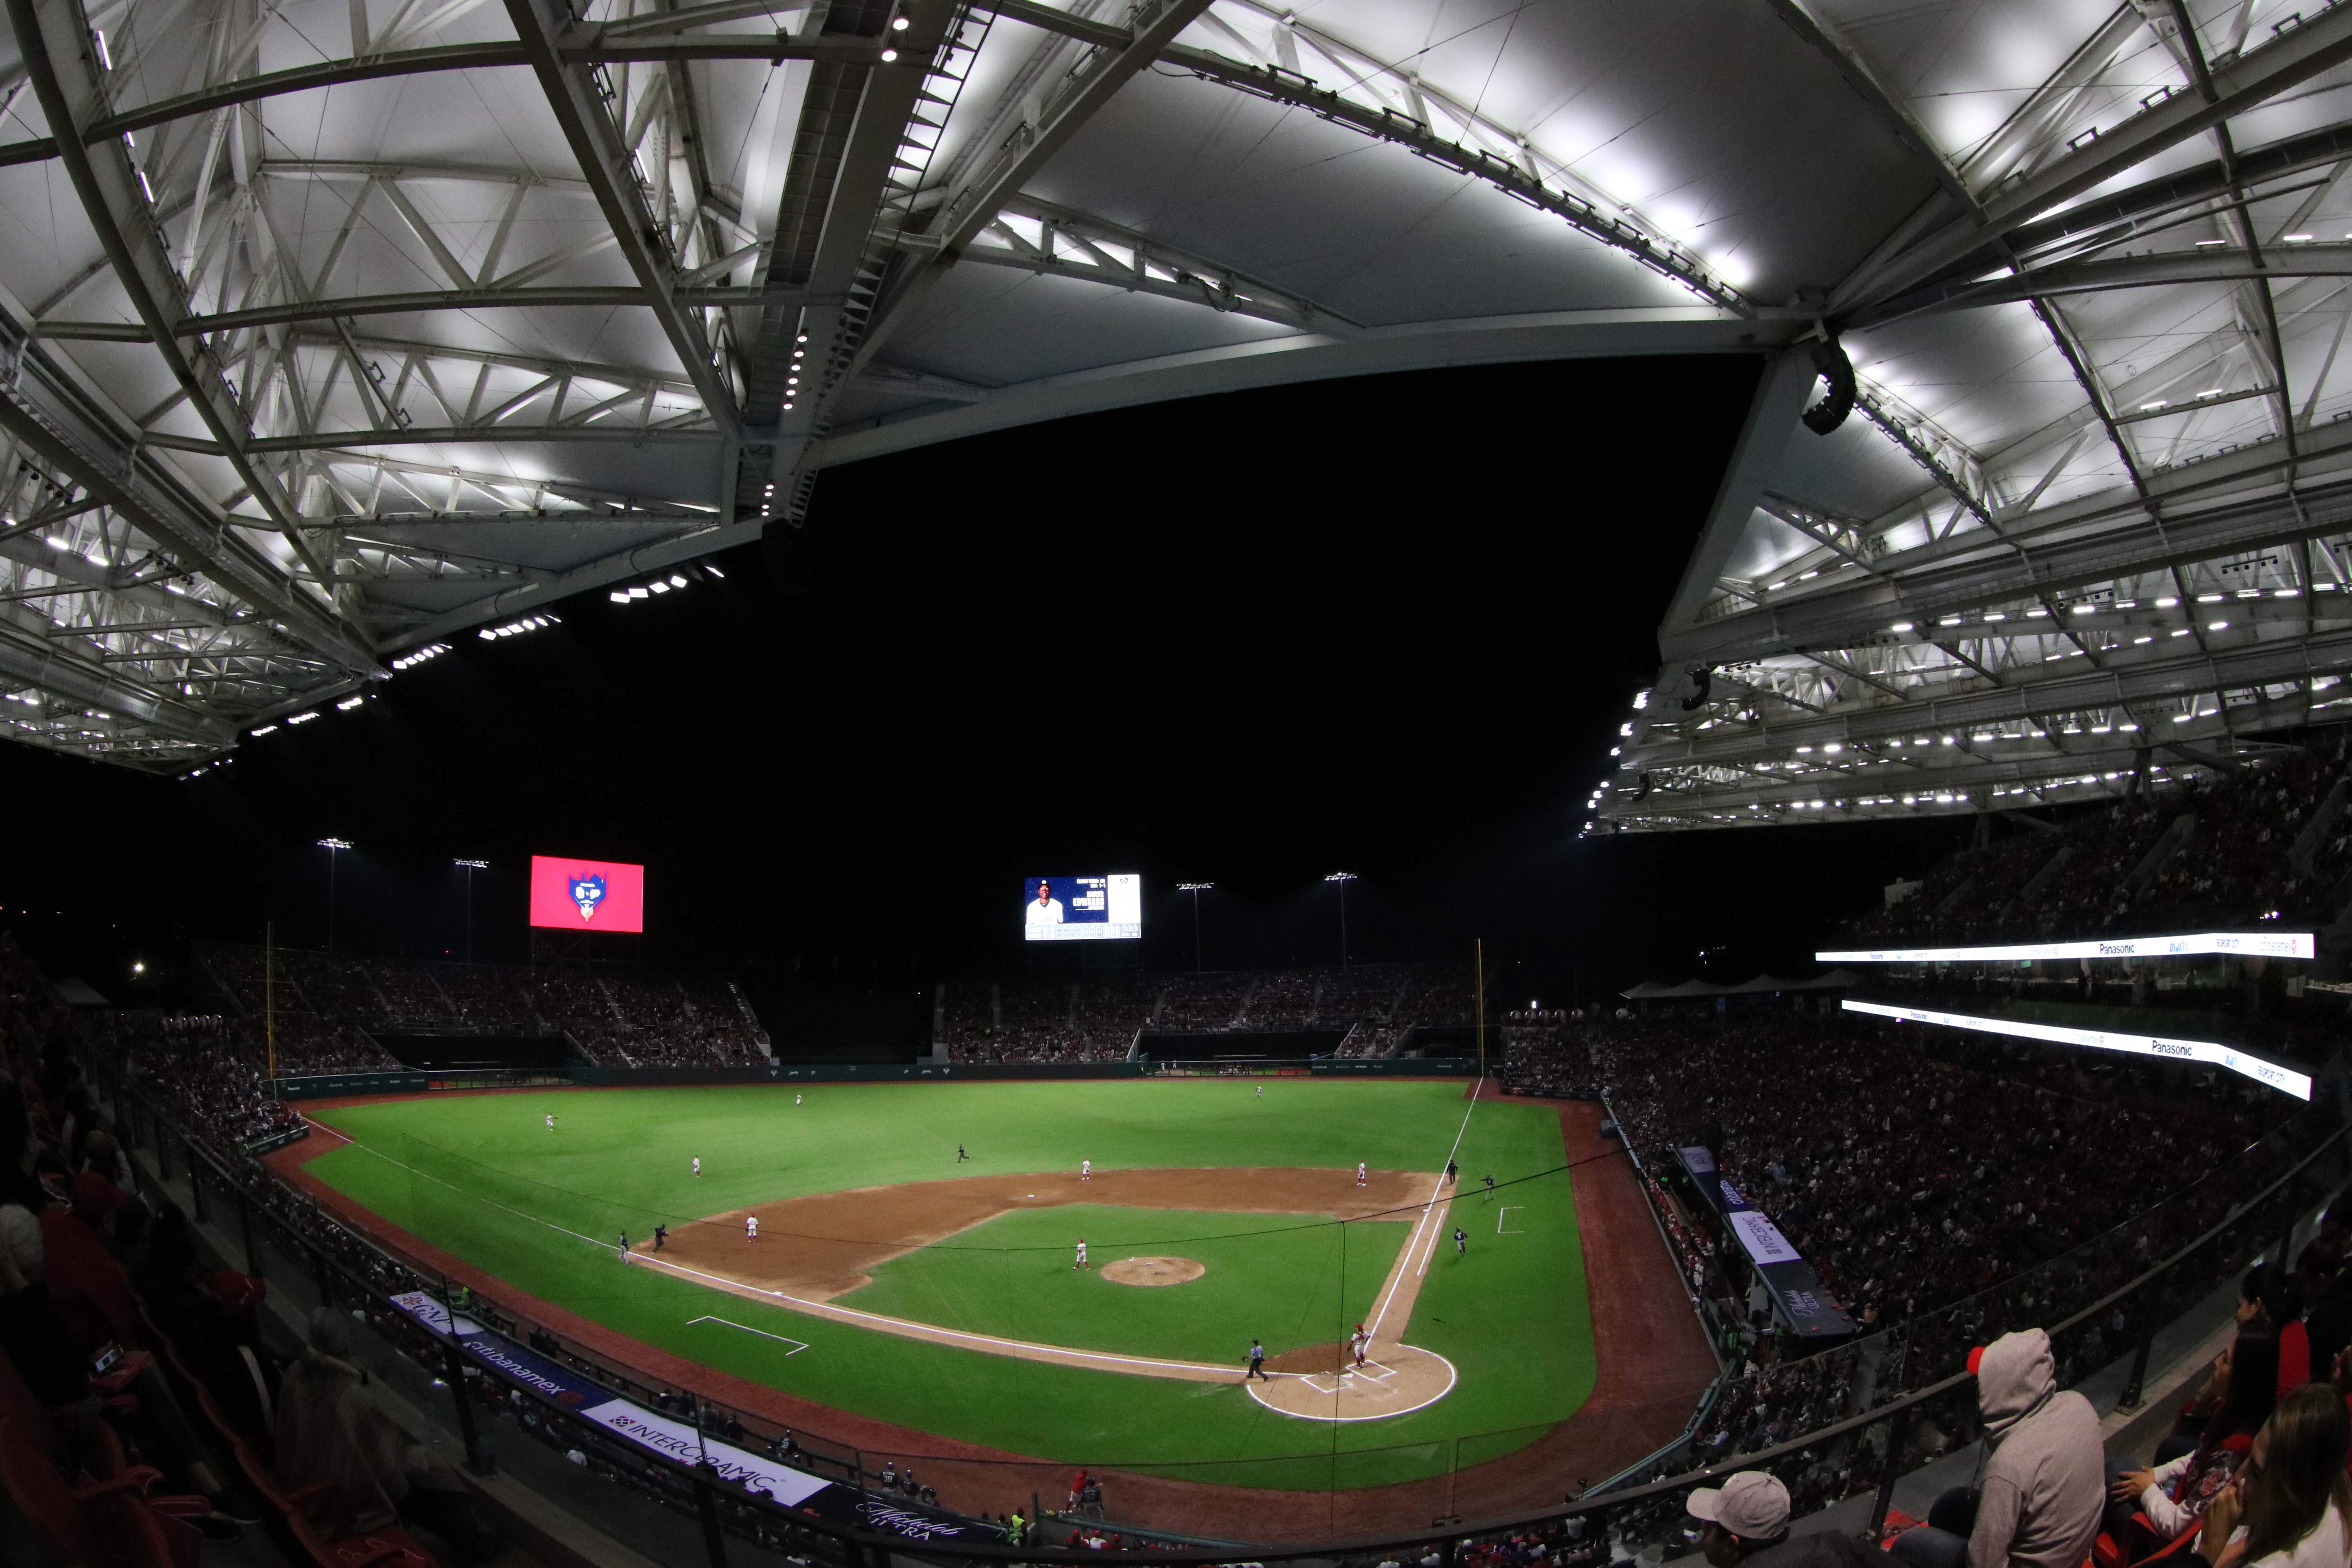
[1304, 357]
[457, 435]
[847, 150]
[2304, 47]
[48, 415]
[2215, 264]
[2085, 542]
[293, 311]
[55, 40]
[606, 164]
[610, 44]
[2082, 689]
[1756, 458]
[1549, 191]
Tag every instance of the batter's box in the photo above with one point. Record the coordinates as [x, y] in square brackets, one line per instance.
[1370, 1372]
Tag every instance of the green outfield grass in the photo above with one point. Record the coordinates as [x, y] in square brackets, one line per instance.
[480, 1177]
[1288, 1278]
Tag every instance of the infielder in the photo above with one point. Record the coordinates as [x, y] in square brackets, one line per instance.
[751, 1227]
[1490, 1189]
[1360, 1180]
[1086, 1170]
[1081, 1263]
[661, 1236]
[1461, 1242]
[624, 1247]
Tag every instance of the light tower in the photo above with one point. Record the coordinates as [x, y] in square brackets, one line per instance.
[1196, 889]
[1343, 878]
[469, 867]
[334, 846]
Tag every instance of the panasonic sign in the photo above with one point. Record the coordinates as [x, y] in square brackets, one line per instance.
[2241, 943]
[2284, 1079]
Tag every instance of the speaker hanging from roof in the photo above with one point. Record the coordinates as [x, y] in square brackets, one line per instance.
[1836, 373]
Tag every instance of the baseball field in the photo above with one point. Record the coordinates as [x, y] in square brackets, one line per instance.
[895, 1280]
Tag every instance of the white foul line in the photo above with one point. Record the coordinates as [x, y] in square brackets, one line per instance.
[1428, 1212]
[1499, 1219]
[798, 1346]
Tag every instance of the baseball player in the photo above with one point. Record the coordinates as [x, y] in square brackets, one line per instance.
[697, 1164]
[551, 1122]
[796, 1100]
[1261, 1091]
[1257, 1363]
[1086, 1170]
[751, 1227]
[624, 1247]
[960, 1155]
[1461, 1242]
[1081, 1263]
[661, 1236]
[1490, 1188]
[1358, 1343]
[1360, 1178]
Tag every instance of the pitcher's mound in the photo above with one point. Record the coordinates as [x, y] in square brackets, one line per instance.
[1152, 1271]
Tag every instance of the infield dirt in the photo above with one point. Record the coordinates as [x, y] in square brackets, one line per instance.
[825, 1245]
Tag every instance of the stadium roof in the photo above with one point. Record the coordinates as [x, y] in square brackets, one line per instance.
[331, 330]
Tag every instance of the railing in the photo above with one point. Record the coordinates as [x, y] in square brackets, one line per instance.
[1857, 1453]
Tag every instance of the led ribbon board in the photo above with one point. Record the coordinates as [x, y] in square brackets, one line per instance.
[2284, 1079]
[2244, 944]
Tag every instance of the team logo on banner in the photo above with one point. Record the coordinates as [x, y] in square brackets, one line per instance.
[587, 892]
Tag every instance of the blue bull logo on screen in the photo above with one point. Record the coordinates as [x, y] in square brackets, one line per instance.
[587, 892]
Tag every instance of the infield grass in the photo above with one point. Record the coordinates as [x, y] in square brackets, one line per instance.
[480, 1177]
[1290, 1279]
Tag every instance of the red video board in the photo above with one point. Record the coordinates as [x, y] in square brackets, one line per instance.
[586, 895]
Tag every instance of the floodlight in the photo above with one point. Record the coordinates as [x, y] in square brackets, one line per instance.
[1195, 887]
[1341, 877]
[334, 844]
[472, 865]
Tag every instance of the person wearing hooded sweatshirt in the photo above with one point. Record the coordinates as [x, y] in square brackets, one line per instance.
[2044, 1485]
[330, 1431]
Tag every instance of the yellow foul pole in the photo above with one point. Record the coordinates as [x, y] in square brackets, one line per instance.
[1479, 958]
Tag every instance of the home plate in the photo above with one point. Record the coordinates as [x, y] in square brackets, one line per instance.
[1322, 1382]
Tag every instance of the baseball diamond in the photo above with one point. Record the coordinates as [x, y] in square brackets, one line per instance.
[937, 1295]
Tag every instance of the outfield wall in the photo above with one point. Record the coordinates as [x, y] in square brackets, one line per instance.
[589, 1075]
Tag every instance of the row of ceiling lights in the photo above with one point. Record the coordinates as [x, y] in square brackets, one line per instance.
[653, 586]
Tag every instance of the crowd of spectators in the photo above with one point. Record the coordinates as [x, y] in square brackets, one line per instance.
[326, 1003]
[140, 1277]
[2230, 863]
[1545, 1052]
[1038, 1018]
[1943, 1193]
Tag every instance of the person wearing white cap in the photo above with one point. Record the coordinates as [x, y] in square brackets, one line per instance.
[1746, 1513]
[1747, 1527]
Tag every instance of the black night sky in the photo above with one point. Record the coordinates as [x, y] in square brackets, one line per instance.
[1388, 625]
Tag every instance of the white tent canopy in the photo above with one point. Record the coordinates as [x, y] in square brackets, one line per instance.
[337, 327]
